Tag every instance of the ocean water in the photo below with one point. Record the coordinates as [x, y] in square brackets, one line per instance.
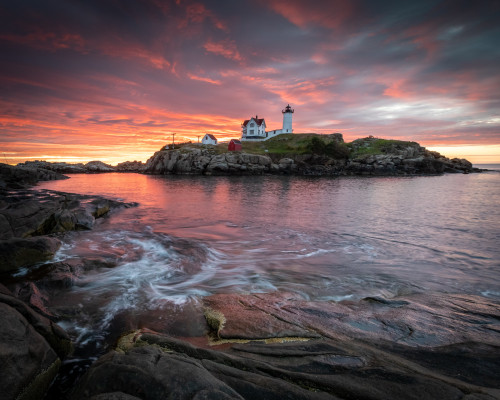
[326, 239]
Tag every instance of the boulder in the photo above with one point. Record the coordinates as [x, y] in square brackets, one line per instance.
[31, 349]
[130, 166]
[98, 166]
[17, 252]
[150, 372]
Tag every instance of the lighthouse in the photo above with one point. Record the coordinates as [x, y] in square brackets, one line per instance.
[254, 129]
[287, 119]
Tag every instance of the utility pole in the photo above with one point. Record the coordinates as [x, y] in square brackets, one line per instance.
[199, 139]
[173, 142]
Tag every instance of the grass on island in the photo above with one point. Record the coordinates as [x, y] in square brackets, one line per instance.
[374, 146]
[307, 143]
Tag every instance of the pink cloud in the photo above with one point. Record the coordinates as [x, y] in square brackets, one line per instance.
[329, 14]
[203, 79]
[225, 48]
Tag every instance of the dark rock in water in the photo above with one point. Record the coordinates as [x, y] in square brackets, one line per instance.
[55, 278]
[99, 207]
[20, 178]
[31, 349]
[31, 213]
[130, 166]
[84, 219]
[16, 252]
[418, 320]
[98, 166]
[61, 167]
[66, 168]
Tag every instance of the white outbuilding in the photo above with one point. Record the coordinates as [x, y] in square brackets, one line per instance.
[209, 139]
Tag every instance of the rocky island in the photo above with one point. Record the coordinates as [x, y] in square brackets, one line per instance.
[287, 154]
[307, 154]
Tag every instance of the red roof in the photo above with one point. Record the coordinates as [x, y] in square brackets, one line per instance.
[258, 120]
[235, 141]
[211, 136]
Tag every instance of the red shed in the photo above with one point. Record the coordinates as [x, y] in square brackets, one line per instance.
[234, 145]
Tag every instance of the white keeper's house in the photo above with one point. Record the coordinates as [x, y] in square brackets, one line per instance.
[254, 129]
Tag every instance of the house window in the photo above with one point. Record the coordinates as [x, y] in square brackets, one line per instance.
[252, 124]
[251, 132]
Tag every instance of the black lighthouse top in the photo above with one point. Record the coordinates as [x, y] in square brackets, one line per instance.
[288, 109]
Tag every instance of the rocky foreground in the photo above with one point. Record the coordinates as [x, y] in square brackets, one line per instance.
[401, 158]
[279, 345]
[31, 344]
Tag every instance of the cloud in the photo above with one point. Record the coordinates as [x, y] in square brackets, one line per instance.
[225, 48]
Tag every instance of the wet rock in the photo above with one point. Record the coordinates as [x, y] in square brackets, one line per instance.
[430, 320]
[41, 213]
[149, 372]
[64, 220]
[99, 207]
[16, 252]
[83, 219]
[26, 218]
[31, 349]
[241, 318]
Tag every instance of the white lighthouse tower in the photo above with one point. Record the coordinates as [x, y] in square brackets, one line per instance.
[287, 119]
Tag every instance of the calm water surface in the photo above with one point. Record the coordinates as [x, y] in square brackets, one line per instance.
[327, 239]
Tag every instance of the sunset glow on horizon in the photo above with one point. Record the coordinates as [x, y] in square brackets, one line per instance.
[112, 81]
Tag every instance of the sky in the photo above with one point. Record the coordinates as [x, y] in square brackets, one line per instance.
[112, 80]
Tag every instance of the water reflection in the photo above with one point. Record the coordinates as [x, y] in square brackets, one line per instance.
[327, 239]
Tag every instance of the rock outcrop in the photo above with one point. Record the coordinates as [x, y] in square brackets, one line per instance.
[130, 166]
[67, 168]
[27, 215]
[401, 158]
[193, 160]
[20, 178]
[17, 252]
